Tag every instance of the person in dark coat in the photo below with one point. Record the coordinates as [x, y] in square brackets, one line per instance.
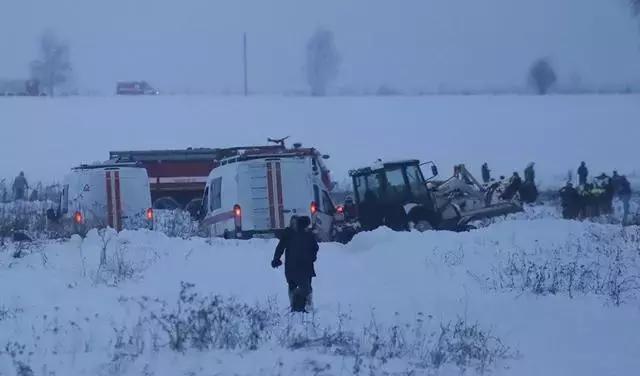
[20, 187]
[583, 173]
[624, 191]
[300, 249]
[570, 201]
[528, 189]
[606, 193]
[615, 181]
[515, 182]
[486, 173]
[530, 174]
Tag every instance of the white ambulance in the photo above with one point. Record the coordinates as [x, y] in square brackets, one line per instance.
[103, 195]
[256, 193]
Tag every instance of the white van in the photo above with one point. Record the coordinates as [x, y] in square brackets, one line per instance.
[103, 195]
[255, 195]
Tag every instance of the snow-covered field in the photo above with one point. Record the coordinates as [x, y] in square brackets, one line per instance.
[530, 294]
[46, 136]
[521, 297]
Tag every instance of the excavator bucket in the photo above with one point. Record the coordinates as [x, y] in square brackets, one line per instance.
[493, 210]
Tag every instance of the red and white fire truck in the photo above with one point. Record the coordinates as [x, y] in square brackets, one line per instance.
[177, 178]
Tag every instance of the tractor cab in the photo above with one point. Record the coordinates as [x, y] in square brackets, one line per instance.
[393, 194]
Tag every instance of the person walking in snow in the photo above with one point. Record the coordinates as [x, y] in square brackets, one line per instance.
[300, 249]
[486, 173]
[20, 187]
[583, 173]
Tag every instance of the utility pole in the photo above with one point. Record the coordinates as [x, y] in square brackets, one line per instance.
[244, 60]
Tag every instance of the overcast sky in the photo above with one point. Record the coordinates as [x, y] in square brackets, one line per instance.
[407, 44]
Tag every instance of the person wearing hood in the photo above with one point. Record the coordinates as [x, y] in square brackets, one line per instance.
[570, 201]
[486, 173]
[20, 187]
[300, 249]
[624, 191]
[583, 173]
[530, 173]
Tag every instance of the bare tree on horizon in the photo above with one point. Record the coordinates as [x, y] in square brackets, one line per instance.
[322, 61]
[53, 67]
[542, 76]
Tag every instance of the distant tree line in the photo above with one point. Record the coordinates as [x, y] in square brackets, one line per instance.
[52, 68]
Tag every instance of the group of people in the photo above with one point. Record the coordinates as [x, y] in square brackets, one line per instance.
[527, 189]
[593, 198]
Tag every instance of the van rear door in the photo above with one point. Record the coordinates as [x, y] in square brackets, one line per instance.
[114, 198]
[135, 198]
[293, 177]
[279, 188]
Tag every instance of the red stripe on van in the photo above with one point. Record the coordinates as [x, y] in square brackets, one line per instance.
[109, 199]
[118, 203]
[280, 201]
[272, 209]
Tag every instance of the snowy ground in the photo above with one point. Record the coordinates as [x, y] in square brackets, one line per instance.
[530, 294]
[46, 136]
[548, 296]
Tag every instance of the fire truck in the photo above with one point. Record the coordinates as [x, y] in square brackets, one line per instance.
[177, 178]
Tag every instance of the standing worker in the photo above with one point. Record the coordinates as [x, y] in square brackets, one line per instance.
[300, 249]
[583, 173]
[570, 201]
[529, 173]
[615, 181]
[528, 190]
[513, 187]
[624, 190]
[486, 173]
[20, 187]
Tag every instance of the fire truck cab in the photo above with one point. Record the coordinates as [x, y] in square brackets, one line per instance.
[100, 196]
[255, 193]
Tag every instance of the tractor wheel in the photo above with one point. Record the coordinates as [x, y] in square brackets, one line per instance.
[193, 207]
[166, 203]
[423, 225]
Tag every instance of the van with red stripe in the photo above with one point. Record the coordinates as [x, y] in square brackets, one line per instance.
[256, 194]
[104, 195]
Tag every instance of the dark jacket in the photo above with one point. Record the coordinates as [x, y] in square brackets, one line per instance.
[624, 187]
[486, 173]
[20, 183]
[583, 172]
[300, 250]
[569, 196]
[529, 174]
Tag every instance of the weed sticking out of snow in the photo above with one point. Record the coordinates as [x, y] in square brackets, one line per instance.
[601, 263]
[197, 322]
